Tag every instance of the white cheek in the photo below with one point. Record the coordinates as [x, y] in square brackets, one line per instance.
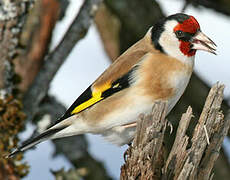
[171, 44]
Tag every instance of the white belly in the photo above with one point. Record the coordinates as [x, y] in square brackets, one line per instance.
[120, 135]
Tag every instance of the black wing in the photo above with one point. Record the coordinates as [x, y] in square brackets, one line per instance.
[118, 85]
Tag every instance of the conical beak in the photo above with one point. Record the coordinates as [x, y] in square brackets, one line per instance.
[202, 42]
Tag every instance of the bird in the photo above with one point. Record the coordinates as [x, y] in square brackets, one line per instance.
[156, 68]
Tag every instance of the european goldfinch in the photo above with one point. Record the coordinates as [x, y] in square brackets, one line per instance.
[157, 67]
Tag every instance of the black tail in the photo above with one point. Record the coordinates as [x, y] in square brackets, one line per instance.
[32, 142]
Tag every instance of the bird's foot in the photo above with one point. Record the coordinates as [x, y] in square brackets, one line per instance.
[171, 126]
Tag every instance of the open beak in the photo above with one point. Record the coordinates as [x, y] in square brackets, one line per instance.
[202, 42]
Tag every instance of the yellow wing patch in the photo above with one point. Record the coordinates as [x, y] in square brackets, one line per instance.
[96, 96]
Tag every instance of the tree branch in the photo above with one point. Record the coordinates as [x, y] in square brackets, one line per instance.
[54, 60]
[131, 13]
[35, 39]
[219, 6]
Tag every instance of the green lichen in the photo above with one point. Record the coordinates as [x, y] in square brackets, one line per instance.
[11, 123]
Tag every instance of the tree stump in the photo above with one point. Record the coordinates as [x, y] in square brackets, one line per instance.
[190, 157]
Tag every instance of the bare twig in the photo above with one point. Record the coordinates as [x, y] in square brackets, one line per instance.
[54, 60]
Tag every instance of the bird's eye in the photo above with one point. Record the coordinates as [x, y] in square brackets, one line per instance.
[179, 34]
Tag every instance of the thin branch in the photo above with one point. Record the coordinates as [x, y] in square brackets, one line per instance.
[54, 60]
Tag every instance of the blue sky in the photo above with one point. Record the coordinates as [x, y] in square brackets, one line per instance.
[81, 69]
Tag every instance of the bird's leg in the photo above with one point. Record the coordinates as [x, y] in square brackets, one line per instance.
[131, 125]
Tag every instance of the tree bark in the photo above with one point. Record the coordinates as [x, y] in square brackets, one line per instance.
[190, 157]
[35, 38]
[12, 118]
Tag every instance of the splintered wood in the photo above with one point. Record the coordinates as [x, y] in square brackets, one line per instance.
[190, 157]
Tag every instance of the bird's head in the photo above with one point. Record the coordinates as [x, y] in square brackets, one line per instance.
[180, 36]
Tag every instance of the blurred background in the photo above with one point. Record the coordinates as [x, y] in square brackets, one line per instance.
[117, 25]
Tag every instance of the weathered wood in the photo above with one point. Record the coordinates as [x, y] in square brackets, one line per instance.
[145, 156]
[190, 157]
[181, 143]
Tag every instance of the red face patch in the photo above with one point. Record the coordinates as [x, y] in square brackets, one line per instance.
[191, 26]
[186, 50]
